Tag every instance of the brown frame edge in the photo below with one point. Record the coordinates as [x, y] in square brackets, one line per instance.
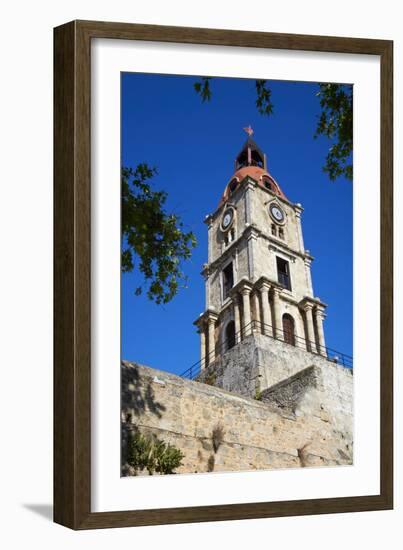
[72, 298]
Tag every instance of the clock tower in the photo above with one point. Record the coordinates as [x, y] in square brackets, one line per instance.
[260, 305]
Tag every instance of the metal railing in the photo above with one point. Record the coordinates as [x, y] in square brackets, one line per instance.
[287, 337]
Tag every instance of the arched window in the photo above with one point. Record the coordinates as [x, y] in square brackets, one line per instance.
[288, 329]
[230, 335]
[268, 185]
[227, 280]
[233, 185]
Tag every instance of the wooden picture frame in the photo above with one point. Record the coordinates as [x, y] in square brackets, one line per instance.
[72, 270]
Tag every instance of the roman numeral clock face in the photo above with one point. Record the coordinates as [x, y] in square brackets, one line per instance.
[276, 213]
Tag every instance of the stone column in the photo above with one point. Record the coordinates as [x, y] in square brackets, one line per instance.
[298, 210]
[211, 340]
[319, 317]
[310, 337]
[209, 222]
[237, 319]
[308, 276]
[257, 327]
[251, 240]
[266, 311]
[249, 188]
[202, 347]
[277, 314]
[246, 310]
[206, 286]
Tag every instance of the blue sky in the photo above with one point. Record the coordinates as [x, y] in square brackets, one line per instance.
[193, 146]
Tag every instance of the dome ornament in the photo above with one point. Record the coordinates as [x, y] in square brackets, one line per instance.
[249, 130]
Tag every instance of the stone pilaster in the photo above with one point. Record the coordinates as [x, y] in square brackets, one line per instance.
[310, 336]
[206, 327]
[202, 346]
[256, 317]
[211, 339]
[252, 236]
[298, 211]
[209, 221]
[278, 329]
[251, 262]
[246, 310]
[308, 276]
[319, 317]
[249, 187]
[206, 275]
[266, 310]
[242, 290]
[237, 318]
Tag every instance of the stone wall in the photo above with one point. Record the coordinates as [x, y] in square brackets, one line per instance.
[259, 362]
[301, 425]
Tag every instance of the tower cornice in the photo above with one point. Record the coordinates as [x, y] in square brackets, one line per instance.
[265, 281]
[310, 302]
[282, 245]
[242, 285]
[205, 316]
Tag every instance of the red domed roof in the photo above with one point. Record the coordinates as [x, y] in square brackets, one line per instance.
[263, 178]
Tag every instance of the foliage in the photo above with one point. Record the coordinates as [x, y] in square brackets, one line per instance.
[217, 437]
[335, 120]
[263, 102]
[258, 395]
[336, 123]
[152, 454]
[203, 88]
[210, 463]
[152, 235]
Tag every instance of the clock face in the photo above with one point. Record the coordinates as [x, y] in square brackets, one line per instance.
[227, 219]
[277, 213]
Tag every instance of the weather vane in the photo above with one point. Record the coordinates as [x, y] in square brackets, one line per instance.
[249, 130]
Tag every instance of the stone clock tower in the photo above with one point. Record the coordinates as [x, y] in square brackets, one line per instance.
[262, 321]
[278, 395]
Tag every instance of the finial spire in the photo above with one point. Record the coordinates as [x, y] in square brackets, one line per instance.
[250, 154]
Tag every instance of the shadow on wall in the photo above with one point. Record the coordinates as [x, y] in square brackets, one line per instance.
[137, 398]
[137, 394]
[288, 394]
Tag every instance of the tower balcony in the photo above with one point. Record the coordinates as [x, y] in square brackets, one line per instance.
[259, 356]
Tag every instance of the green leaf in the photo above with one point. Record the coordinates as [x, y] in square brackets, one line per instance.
[336, 123]
[202, 88]
[152, 236]
[263, 102]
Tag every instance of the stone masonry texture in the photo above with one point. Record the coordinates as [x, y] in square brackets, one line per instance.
[304, 419]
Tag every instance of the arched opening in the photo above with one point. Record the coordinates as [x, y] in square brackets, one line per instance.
[267, 183]
[288, 329]
[230, 336]
[233, 185]
[272, 186]
[257, 159]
